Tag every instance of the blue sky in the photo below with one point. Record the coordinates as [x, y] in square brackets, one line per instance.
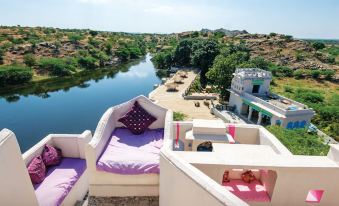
[300, 18]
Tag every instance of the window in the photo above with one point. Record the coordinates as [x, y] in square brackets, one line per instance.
[314, 196]
[290, 125]
[255, 88]
[296, 124]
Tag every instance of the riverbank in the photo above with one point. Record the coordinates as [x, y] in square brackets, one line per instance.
[42, 86]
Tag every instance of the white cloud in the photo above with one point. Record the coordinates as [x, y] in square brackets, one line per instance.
[95, 1]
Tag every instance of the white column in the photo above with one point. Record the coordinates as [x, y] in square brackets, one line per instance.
[249, 113]
[259, 118]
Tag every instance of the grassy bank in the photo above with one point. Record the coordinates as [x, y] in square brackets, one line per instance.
[321, 95]
[41, 85]
[299, 142]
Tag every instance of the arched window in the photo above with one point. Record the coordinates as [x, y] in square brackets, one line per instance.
[290, 125]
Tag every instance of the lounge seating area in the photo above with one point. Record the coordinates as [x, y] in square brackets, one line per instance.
[62, 184]
[121, 162]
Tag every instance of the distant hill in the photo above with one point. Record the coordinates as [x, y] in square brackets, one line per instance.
[226, 32]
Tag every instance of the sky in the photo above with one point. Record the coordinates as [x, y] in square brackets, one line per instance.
[300, 18]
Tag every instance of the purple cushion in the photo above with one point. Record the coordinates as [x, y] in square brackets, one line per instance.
[59, 181]
[37, 170]
[137, 120]
[130, 154]
[51, 155]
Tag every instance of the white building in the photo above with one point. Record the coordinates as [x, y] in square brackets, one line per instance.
[251, 98]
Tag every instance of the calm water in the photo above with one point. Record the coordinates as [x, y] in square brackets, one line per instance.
[75, 109]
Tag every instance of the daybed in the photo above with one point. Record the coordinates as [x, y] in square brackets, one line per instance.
[124, 164]
[64, 184]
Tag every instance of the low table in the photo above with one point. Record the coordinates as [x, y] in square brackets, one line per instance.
[200, 138]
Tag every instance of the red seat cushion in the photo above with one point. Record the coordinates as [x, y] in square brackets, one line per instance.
[37, 170]
[137, 120]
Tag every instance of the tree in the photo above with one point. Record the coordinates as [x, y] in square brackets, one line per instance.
[182, 53]
[162, 60]
[88, 62]
[202, 56]
[318, 45]
[29, 60]
[221, 73]
[75, 38]
[260, 62]
[56, 66]
[93, 33]
[122, 53]
[14, 74]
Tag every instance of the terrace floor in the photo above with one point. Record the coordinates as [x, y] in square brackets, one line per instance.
[175, 101]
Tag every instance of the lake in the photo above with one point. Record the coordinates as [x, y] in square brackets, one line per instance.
[77, 108]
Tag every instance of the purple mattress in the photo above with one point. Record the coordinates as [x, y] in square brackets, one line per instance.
[59, 181]
[130, 154]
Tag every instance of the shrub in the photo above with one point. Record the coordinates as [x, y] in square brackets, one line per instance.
[29, 60]
[311, 96]
[298, 74]
[328, 73]
[56, 66]
[75, 38]
[13, 74]
[93, 33]
[122, 54]
[315, 73]
[88, 62]
[299, 142]
[288, 89]
[288, 37]
[273, 34]
[179, 116]
[318, 45]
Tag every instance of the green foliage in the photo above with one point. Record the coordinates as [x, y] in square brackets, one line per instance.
[88, 62]
[221, 73]
[315, 74]
[179, 116]
[318, 45]
[122, 54]
[29, 60]
[93, 33]
[288, 89]
[273, 34]
[57, 66]
[162, 60]
[288, 38]
[182, 53]
[13, 74]
[299, 73]
[75, 38]
[202, 56]
[328, 73]
[299, 142]
[94, 42]
[195, 34]
[260, 62]
[309, 96]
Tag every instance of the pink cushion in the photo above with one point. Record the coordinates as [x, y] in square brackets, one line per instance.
[37, 170]
[59, 181]
[251, 192]
[51, 155]
[137, 120]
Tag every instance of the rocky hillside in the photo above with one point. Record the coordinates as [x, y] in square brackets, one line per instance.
[286, 51]
[15, 42]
